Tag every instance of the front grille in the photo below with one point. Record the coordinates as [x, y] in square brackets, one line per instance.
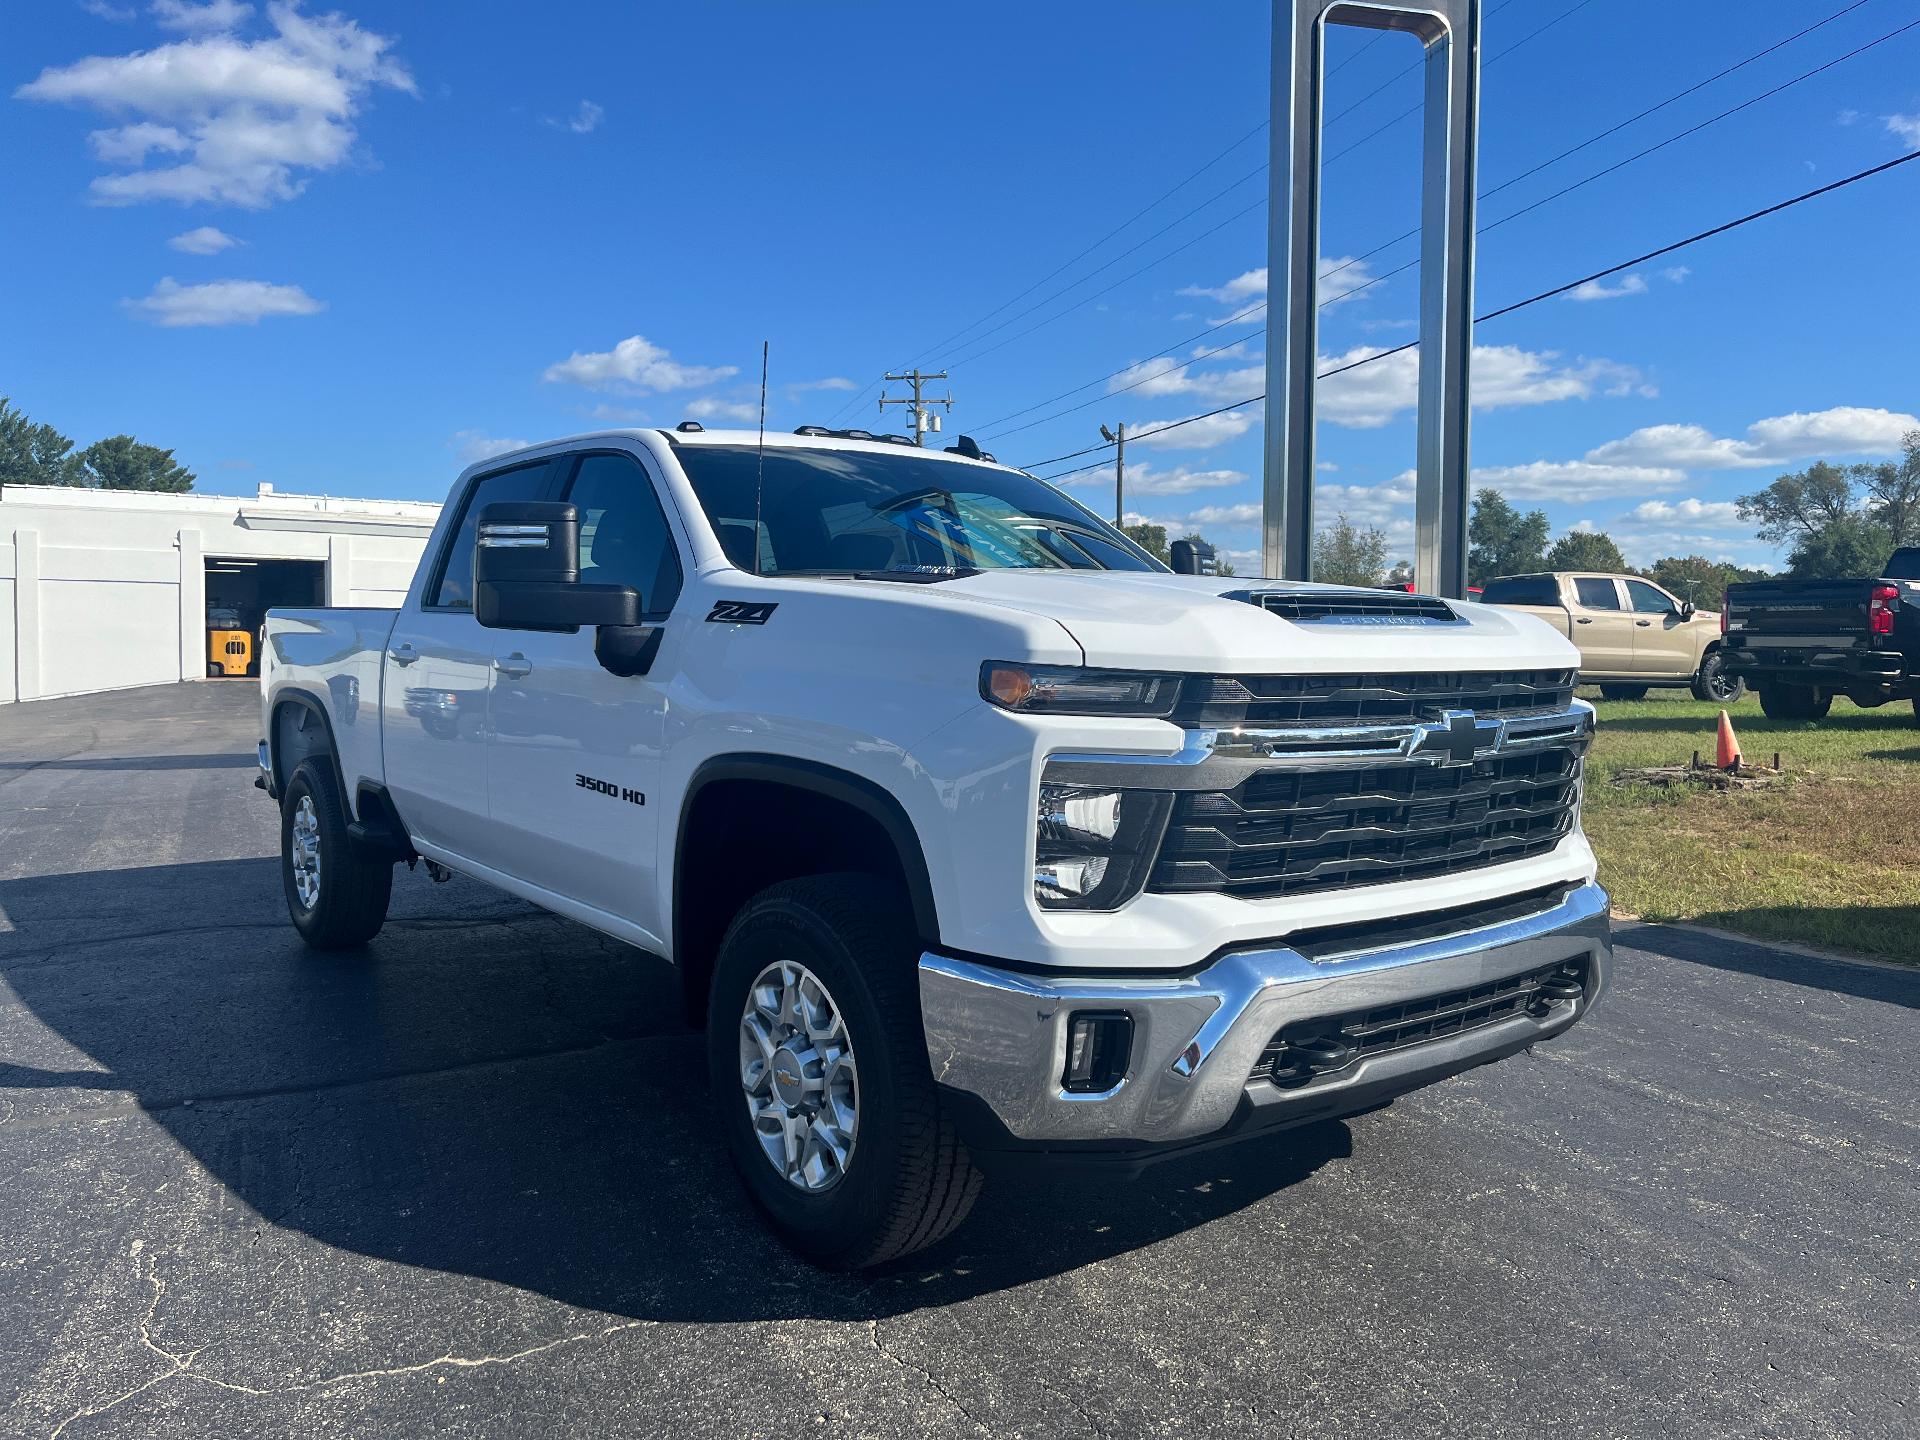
[1378, 699]
[1306, 607]
[1299, 831]
[1309, 1050]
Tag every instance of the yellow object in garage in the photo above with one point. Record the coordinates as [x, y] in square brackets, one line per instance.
[229, 652]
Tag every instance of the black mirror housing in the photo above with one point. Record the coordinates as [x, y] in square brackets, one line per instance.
[526, 572]
[1686, 609]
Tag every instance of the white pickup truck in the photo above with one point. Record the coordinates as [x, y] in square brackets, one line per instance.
[977, 837]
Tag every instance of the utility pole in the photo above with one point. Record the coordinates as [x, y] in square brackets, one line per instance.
[923, 419]
[1119, 442]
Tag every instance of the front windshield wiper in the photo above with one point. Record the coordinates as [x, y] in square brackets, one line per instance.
[912, 575]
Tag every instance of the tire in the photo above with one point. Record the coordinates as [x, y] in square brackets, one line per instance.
[214, 672]
[1623, 692]
[906, 1181]
[1712, 683]
[1794, 702]
[346, 903]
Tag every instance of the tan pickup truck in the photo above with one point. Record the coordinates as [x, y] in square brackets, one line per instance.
[1632, 634]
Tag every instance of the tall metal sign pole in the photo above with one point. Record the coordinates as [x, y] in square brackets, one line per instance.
[1450, 32]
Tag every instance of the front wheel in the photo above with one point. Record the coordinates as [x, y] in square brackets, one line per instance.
[336, 893]
[819, 1070]
[1713, 684]
[1623, 692]
[1794, 702]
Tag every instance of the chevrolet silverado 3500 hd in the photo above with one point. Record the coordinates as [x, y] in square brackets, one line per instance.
[975, 835]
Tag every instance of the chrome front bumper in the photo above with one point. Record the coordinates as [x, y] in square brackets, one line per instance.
[1001, 1036]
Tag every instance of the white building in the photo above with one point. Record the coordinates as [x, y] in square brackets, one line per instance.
[102, 589]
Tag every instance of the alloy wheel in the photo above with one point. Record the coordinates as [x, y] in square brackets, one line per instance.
[304, 852]
[798, 1076]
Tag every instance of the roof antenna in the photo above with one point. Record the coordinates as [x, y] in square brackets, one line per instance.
[760, 469]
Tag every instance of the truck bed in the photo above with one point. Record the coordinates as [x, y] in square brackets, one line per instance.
[334, 655]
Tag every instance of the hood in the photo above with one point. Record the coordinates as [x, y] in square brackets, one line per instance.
[1140, 621]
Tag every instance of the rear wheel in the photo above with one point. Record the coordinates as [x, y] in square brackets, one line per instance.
[1713, 684]
[1794, 702]
[819, 1069]
[1623, 692]
[336, 893]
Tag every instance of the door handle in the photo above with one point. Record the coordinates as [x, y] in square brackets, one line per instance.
[403, 654]
[1582, 620]
[1643, 624]
[515, 666]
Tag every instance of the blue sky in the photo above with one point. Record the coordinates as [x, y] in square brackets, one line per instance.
[346, 251]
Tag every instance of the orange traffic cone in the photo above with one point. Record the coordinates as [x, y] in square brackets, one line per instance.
[1726, 749]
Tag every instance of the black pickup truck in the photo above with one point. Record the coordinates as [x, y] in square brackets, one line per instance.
[1801, 642]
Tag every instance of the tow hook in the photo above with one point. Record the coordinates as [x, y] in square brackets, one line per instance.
[439, 872]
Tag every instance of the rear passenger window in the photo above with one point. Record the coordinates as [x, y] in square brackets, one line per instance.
[1596, 594]
[454, 588]
[1522, 590]
[624, 538]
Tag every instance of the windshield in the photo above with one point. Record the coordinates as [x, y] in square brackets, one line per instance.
[905, 516]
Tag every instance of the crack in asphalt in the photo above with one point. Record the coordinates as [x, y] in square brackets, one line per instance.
[873, 1338]
[181, 1362]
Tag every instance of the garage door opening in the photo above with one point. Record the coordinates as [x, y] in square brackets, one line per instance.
[239, 594]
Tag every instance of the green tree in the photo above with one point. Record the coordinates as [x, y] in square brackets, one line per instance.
[1502, 541]
[1150, 538]
[1893, 491]
[1401, 573]
[1796, 507]
[33, 454]
[121, 462]
[1587, 550]
[1694, 577]
[1850, 546]
[1347, 554]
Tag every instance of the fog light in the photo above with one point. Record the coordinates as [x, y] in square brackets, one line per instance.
[1099, 1044]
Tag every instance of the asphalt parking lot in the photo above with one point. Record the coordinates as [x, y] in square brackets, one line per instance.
[461, 1184]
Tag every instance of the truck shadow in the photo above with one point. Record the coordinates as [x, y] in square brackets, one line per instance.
[1889, 982]
[490, 1091]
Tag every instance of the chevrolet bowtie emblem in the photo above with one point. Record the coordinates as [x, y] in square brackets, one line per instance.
[1456, 738]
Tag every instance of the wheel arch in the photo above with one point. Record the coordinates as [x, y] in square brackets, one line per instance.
[287, 704]
[847, 820]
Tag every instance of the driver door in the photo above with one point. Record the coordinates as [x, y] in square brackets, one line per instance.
[574, 761]
[1663, 645]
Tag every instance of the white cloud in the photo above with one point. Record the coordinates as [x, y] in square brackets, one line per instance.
[473, 446]
[1195, 434]
[584, 120]
[634, 364]
[1575, 480]
[204, 241]
[1340, 277]
[1167, 377]
[227, 120]
[1676, 273]
[213, 15]
[1249, 285]
[831, 382]
[1690, 511]
[1599, 290]
[221, 302]
[1847, 117]
[104, 10]
[708, 407]
[1143, 478]
[1374, 394]
[1842, 430]
[1905, 128]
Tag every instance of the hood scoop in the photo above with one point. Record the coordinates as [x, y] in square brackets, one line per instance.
[1351, 607]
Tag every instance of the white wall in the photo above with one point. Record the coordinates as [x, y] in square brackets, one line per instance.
[100, 590]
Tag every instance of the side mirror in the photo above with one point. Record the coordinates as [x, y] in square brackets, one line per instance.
[526, 572]
[1194, 557]
[1686, 609]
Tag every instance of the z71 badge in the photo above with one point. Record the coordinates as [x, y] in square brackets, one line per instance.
[742, 612]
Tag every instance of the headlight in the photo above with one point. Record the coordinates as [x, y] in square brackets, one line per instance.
[1093, 848]
[1072, 690]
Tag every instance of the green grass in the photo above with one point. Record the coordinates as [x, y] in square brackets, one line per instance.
[1830, 856]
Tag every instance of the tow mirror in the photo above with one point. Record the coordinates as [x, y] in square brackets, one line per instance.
[526, 572]
[1686, 609]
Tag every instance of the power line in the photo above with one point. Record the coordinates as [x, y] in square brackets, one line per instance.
[1557, 290]
[1536, 169]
